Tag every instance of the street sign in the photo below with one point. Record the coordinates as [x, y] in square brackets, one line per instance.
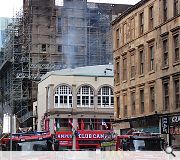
[164, 125]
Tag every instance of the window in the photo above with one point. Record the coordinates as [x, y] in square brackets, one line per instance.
[118, 106]
[177, 93]
[44, 47]
[76, 49]
[165, 52]
[61, 122]
[141, 23]
[118, 72]
[117, 38]
[133, 103]
[59, 25]
[132, 25]
[85, 97]
[132, 61]
[165, 10]
[124, 33]
[141, 62]
[151, 57]
[63, 97]
[105, 97]
[166, 95]
[125, 105]
[59, 48]
[124, 68]
[141, 101]
[152, 99]
[176, 47]
[176, 7]
[151, 17]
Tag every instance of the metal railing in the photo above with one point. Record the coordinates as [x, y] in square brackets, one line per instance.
[27, 116]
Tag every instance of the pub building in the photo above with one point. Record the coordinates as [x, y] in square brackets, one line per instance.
[79, 99]
[85, 139]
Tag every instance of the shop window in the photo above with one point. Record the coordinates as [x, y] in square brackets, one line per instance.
[177, 93]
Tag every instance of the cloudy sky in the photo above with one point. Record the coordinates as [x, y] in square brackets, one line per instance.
[8, 8]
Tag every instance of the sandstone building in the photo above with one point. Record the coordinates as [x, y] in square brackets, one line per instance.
[146, 44]
[80, 99]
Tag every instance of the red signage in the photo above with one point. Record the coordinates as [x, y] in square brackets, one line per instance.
[175, 130]
[83, 135]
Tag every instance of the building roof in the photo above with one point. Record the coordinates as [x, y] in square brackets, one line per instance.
[114, 9]
[89, 71]
[128, 11]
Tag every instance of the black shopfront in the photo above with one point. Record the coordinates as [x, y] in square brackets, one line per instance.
[170, 126]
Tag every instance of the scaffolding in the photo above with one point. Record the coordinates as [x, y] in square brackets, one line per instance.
[43, 37]
[24, 61]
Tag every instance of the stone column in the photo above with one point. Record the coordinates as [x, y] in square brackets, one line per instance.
[74, 103]
[51, 106]
[51, 96]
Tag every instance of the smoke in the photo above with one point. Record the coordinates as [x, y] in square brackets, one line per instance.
[73, 32]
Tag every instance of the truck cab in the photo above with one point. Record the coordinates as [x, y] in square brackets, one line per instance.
[30, 141]
[139, 142]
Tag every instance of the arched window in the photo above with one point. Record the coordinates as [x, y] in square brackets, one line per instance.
[105, 97]
[85, 97]
[63, 97]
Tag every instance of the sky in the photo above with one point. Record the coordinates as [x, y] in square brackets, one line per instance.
[8, 8]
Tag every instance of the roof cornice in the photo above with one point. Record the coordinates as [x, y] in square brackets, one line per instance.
[128, 11]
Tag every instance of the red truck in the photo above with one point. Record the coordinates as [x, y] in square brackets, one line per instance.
[30, 141]
[140, 141]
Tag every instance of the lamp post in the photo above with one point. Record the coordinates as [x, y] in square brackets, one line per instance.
[11, 132]
[74, 131]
